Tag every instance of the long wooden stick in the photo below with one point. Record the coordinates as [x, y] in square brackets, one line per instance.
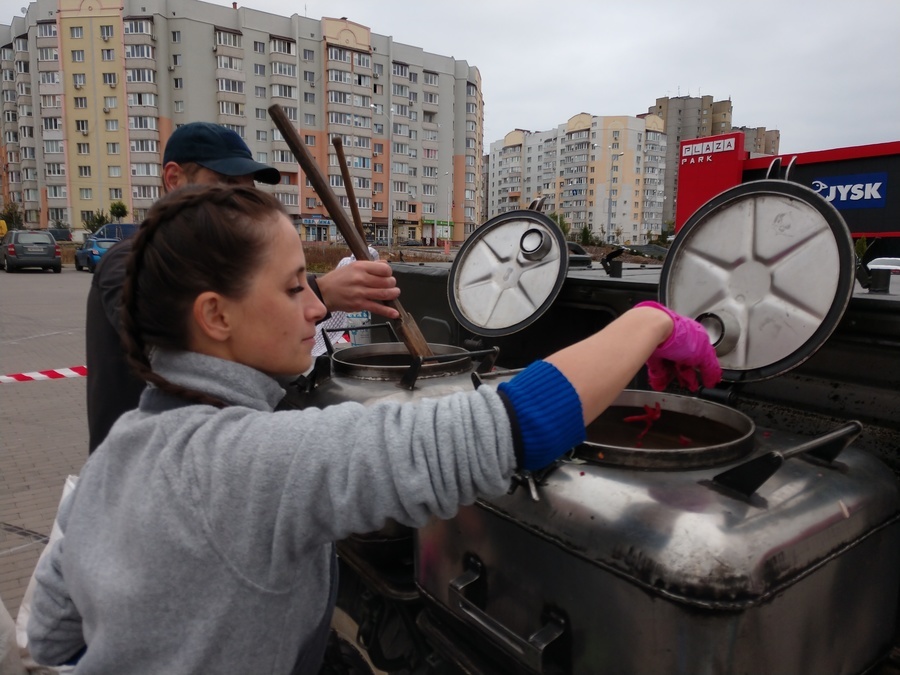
[406, 327]
[348, 185]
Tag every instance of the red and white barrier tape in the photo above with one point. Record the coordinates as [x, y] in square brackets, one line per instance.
[57, 374]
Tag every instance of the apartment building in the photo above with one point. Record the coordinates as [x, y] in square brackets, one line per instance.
[91, 93]
[687, 117]
[605, 174]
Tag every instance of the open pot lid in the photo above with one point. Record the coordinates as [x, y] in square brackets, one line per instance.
[508, 273]
[768, 268]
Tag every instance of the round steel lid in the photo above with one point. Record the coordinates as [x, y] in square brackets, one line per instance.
[508, 273]
[768, 268]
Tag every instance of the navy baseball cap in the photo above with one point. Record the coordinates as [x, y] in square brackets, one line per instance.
[218, 149]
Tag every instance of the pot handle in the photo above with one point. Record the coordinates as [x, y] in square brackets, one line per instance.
[747, 478]
[530, 650]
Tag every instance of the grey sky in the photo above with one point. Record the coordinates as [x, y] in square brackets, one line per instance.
[826, 74]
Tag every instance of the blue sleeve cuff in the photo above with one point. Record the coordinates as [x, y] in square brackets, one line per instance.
[548, 412]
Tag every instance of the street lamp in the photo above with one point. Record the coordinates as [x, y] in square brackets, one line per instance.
[390, 186]
[612, 158]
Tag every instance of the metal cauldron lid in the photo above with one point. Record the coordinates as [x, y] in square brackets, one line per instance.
[508, 273]
[768, 268]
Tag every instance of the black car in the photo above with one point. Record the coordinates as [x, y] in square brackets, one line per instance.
[30, 248]
[61, 233]
[411, 242]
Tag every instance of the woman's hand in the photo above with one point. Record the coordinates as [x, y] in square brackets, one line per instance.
[686, 352]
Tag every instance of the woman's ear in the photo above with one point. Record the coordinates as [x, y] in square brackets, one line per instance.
[210, 317]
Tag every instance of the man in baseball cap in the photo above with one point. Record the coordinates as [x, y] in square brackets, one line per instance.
[199, 153]
[218, 149]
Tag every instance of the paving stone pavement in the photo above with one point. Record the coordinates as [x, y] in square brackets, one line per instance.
[43, 425]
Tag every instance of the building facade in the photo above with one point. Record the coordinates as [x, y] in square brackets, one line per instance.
[604, 174]
[687, 117]
[90, 94]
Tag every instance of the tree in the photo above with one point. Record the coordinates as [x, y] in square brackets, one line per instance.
[587, 239]
[12, 214]
[118, 210]
[96, 220]
[562, 222]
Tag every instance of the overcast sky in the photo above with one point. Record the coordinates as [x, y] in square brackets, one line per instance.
[825, 73]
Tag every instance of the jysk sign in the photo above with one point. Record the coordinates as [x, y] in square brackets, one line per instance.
[859, 191]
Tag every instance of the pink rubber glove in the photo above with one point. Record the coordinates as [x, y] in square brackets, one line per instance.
[686, 351]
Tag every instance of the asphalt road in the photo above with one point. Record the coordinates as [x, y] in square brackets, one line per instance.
[43, 425]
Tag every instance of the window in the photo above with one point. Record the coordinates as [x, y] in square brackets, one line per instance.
[108, 54]
[262, 157]
[261, 136]
[401, 70]
[51, 101]
[179, 106]
[176, 60]
[140, 75]
[112, 148]
[231, 108]
[137, 26]
[144, 169]
[284, 156]
[288, 198]
[137, 52]
[112, 125]
[81, 125]
[260, 92]
[282, 46]
[309, 140]
[229, 63]
[176, 36]
[145, 191]
[115, 194]
[55, 169]
[85, 194]
[259, 69]
[78, 55]
[309, 119]
[290, 112]
[177, 83]
[236, 128]
[110, 78]
[309, 55]
[228, 39]
[115, 172]
[78, 80]
[143, 99]
[106, 32]
[52, 123]
[144, 145]
[283, 90]
[80, 102]
[430, 97]
[309, 76]
[83, 148]
[430, 78]
[46, 30]
[76, 32]
[286, 69]
[46, 77]
[56, 191]
[235, 86]
[259, 47]
[142, 122]
[110, 102]
[309, 97]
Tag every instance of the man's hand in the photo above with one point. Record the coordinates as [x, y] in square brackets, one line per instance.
[362, 285]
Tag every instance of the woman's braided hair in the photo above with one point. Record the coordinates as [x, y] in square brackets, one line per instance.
[198, 238]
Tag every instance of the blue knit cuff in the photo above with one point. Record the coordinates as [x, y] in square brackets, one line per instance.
[548, 411]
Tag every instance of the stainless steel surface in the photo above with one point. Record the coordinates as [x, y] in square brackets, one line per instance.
[508, 273]
[657, 572]
[775, 263]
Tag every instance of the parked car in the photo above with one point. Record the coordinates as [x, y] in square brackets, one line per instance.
[30, 248]
[381, 242]
[116, 231]
[91, 251]
[61, 233]
[411, 242]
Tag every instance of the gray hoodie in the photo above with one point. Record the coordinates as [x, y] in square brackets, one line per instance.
[200, 540]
